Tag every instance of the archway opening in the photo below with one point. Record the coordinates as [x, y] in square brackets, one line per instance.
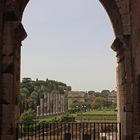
[69, 42]
[67, 36]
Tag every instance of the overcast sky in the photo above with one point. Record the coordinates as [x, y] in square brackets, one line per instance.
[69, 41]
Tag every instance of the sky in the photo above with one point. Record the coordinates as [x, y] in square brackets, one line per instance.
[69, 41]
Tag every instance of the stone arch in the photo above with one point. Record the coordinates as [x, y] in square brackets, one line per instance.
[119, 13]
[124, 15]
[114, 14]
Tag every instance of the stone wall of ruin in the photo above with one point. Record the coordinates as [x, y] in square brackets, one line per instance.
[124, 15]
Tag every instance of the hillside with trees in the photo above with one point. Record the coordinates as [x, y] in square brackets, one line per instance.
[31, 91]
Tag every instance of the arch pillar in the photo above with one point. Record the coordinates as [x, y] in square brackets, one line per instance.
[124, 87]
[124, 15]
[11, 34]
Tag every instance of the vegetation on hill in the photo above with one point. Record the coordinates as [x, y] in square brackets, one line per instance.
[31, 91]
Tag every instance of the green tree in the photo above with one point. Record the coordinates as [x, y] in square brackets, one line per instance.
[100, 103]
[105, 93]
[24, 98]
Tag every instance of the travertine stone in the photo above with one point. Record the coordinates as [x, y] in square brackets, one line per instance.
[124, 15]
[7, 80]
[41, 107]
[45, 104]
[38, 111]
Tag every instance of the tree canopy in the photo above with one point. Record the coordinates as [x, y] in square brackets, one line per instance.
[31, 91]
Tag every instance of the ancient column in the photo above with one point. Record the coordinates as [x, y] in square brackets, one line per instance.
[45, 104]
[58, 103]
[61, 103]
[51, 104]
[12, 36]
[41, 107]
[38, 111]
[57, 99]
[48, 103]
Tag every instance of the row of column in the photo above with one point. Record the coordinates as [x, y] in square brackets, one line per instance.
[51, 104]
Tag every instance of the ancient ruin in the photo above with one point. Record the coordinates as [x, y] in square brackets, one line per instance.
[124, 15]
[51, 104]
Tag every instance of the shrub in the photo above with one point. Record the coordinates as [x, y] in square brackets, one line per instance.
[67, 118]
[28, 116]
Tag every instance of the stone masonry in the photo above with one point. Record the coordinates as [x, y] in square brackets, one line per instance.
[125, 18]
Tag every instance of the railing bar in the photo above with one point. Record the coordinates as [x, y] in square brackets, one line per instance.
[102, 129]
[99, 131]
[24, 130]
[17, 128]
[83, 129]
[57, 131]
[53, 132]
[39, 132]
[120, 131]
[28, 131]
[23, 126]
[21, 132]
[116, 129]
[32, 131]
[76, 131]
[35, 130]
[43, 130]
[89, 124]
[79, 127]
[94, 132]
[72, 133]
[50, 131]
[61, 130]
[20, 127]
[109, 131]
[47, 131]
[105, 129]
[86, 128]
[112, 129]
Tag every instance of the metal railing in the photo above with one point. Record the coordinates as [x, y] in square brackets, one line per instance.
[69, 131]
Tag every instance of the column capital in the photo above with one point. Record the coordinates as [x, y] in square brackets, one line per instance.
[119, 46]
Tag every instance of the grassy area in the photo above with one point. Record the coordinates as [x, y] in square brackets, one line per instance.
[104, 115]
[49, 118]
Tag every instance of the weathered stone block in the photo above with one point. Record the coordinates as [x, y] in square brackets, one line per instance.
[8, 121]
[128, 108]
[6, 60]
[126, 19]
[7, 88]
[123, 6]
[7, 137]
[8, 38]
